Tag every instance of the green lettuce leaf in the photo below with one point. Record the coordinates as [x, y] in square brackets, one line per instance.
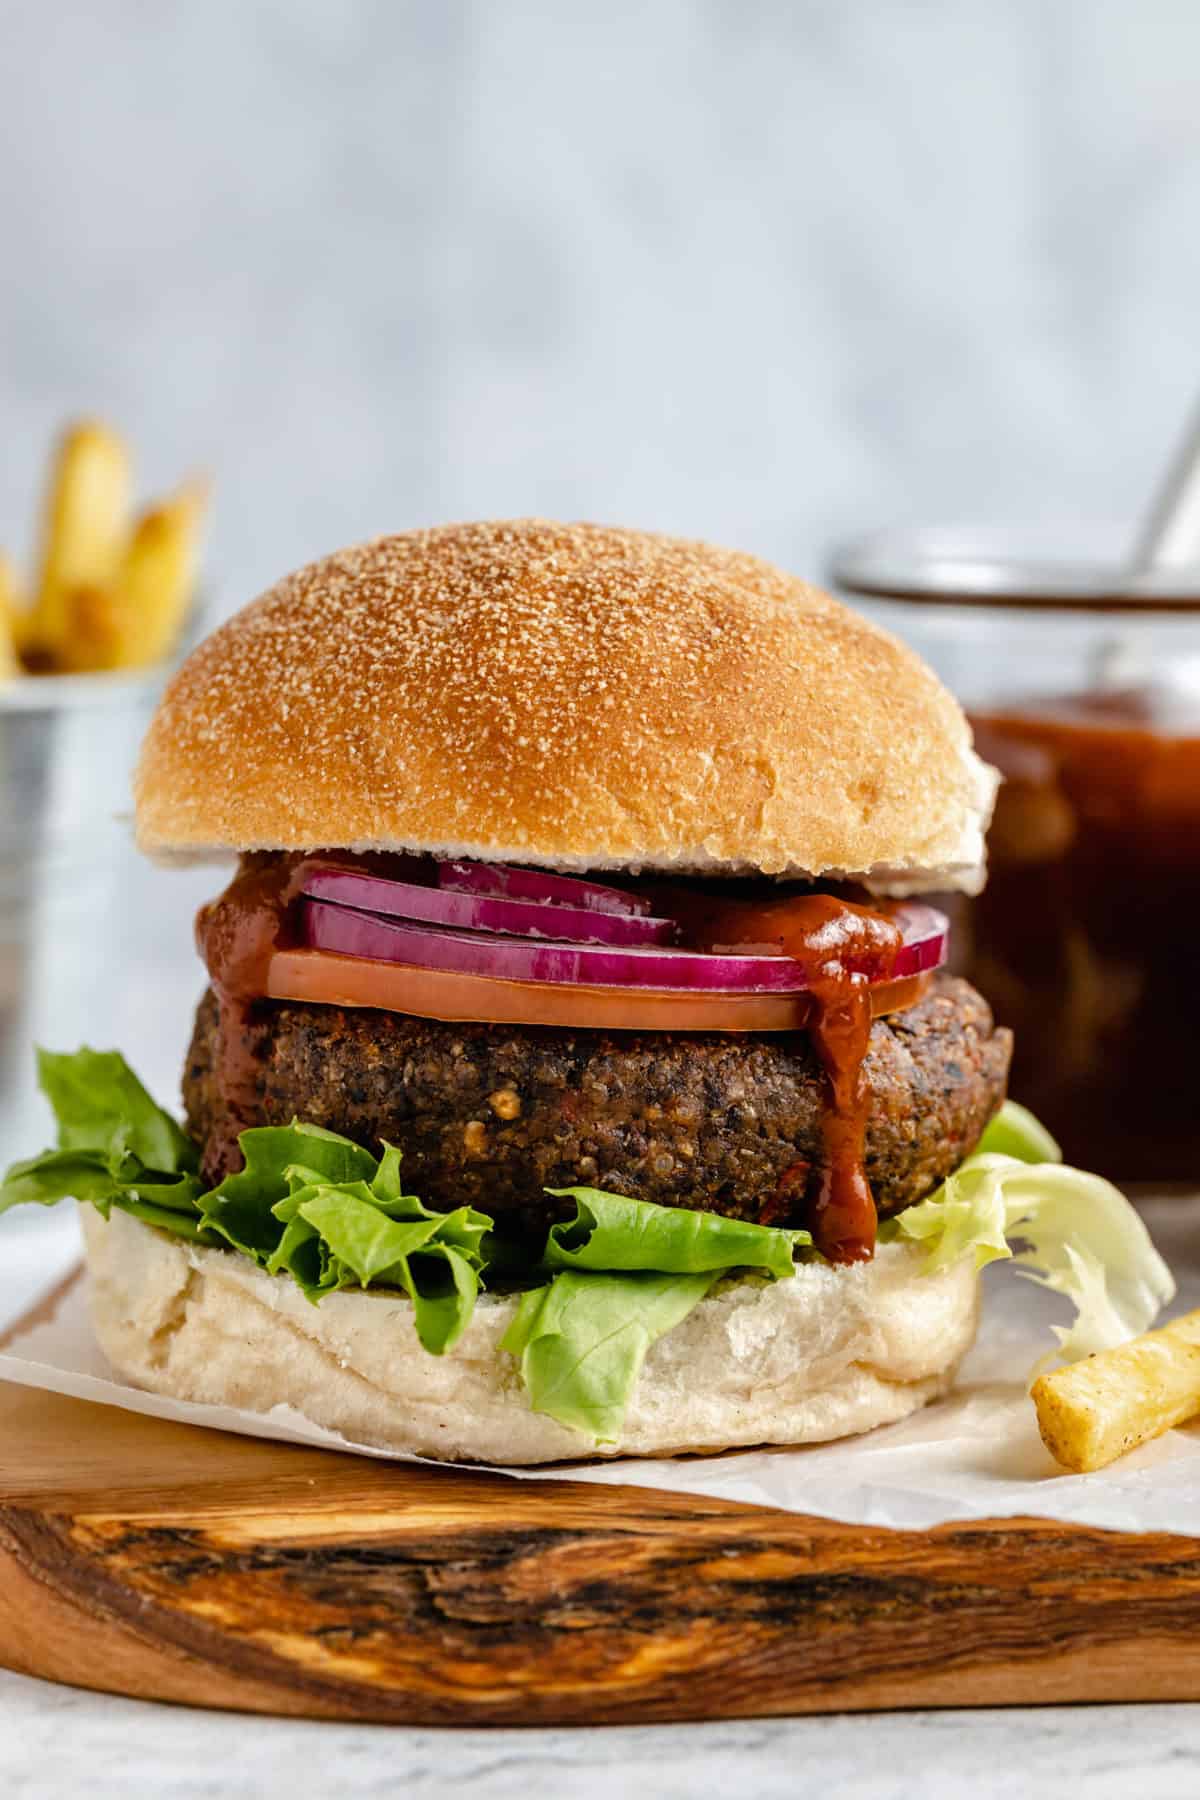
[308, 1203]
[624, 1272]
[1079, 1236]
[166, 1218]
[100, 1105]
[435, 1259]
[1015, 1132]
[59, 1175]
[323, 1210]
[582, 1340]
[241, 1208]
[610, 1232]
[116, 1147]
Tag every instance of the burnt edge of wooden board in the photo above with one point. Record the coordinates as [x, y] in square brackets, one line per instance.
[714, 1615]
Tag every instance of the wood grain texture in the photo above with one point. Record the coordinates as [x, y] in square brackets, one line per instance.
[154, 1559]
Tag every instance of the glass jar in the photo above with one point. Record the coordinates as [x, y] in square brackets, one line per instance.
[1084, 691]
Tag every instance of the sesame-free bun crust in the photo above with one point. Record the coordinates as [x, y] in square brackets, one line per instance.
[573, 696]
[825, 1354]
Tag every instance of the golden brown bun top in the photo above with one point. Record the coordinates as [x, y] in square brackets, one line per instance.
[568, 695]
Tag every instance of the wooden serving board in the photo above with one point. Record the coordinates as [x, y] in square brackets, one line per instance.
[147, 1558]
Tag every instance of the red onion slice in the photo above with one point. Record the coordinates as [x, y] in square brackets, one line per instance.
[539, 885]
[484, 912]
[353, 933]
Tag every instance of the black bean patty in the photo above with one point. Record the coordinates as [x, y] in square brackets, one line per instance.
[491, 1115]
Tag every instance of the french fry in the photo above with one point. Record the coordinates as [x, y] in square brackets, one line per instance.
[1091, 1412]
[91, 628]
[10, 662]
[147, 601]
[83, 532]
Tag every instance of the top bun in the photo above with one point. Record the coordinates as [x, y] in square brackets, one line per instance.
[572, 696]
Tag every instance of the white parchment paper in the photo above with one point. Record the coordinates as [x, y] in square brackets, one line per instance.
[974, 1455]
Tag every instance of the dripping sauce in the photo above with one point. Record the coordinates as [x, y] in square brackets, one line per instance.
[237, 934]
[825, 935]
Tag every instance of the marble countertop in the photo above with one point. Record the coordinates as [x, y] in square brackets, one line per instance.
[59, 1741]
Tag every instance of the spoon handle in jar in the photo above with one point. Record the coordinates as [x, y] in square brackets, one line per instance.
[1170, 537]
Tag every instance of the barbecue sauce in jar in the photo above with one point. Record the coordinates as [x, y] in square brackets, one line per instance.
[1081, 678]
[1087, 937]
[843, 947]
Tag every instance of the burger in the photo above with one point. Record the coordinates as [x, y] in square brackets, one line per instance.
[578, 1071]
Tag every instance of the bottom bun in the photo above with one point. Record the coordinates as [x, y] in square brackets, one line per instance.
[831, 1352]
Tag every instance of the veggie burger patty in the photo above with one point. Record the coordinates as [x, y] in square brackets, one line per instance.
[492, 1115]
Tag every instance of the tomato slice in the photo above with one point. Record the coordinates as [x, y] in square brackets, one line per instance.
[324, 978]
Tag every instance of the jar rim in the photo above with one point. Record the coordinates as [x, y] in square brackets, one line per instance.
[995, 567]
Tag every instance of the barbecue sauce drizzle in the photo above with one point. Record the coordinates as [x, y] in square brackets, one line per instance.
[237, 934]
[827, 936]
[835, 941]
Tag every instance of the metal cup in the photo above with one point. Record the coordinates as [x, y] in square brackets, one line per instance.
[67, 746]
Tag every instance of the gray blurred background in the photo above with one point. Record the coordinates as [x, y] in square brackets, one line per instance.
[762, 272]
[766, 273]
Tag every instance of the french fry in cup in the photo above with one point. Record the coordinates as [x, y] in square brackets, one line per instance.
[84, 529]
[10, 662]
[152, 590]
